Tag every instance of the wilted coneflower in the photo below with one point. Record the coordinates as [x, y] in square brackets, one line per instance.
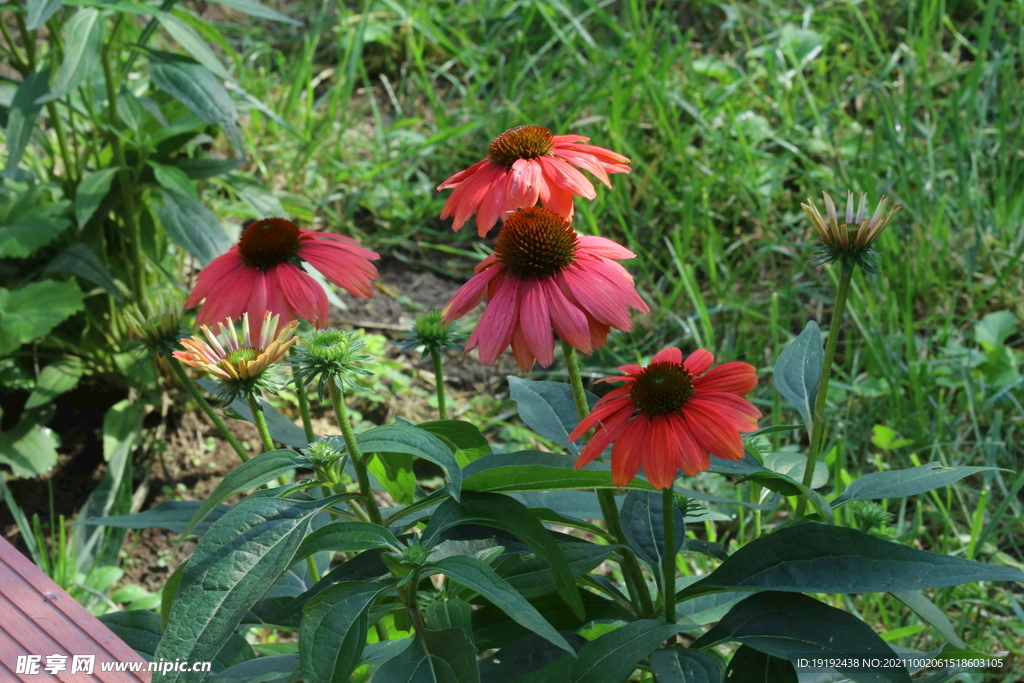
[263, 273]
[850, 241]
[543, 277]
[671, 415]
[528, 163]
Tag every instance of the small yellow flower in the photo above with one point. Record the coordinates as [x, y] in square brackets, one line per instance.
[850, 241]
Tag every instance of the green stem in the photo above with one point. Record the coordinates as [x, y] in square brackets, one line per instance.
[148, 31]
[193, 391]
[261, 423]
[818, 421]
[668, 566]
[435, 355]
[631, 572]
[307, 422]
[358, 462]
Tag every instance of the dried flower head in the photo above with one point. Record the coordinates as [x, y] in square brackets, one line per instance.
[331, 353]
[157, 325]
[849, 242]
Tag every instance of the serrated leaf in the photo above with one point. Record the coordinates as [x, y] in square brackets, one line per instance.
[55, 379]
[786, 625]
[32, 311]
[904, 483]
[474, 574]
[192, 43]
[173, 515]
[822, 558]
[798, 371]
[82, 44]
[398, 438]
[548, 408]
[197, 88]
[39, 11]
[21, 118]
[90, 193]
[192, 226]
[78, 259]
[643, 525]
[613, 656]
[678, 664]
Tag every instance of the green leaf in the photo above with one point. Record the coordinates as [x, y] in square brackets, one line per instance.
[454, 648]
[394, 473]
[748, 664]
[904, 483]
[78, 259]
[82, 45]
[192, 226]
[21, 119]
[399, 438]
[90, 193]
[927, 610]
[281, 428]
[333, 630]
[30, 225]
[821, 558]
[525, 656]
[255, 9]
[538, 471]
[994, 329]
[192, 43]
[140, 629]
[197, 88]
[548, 408]
[788, 486]
[450, 613]
[414, 665]
[533, 576]
[235, 563]
[798, 371]
[678, 664]
[643, 525]
[793, 466]
[204, 167]
[474, 574]
[269, 669]
[556, 672]
[39, 11]
[32, 311]
[785, 625]
[173, 515]
[258, 471]
[55, 379]
[510, 515]
[173, 180]
[613, 656]
[463, 438]
[29, 449]
[347, 537]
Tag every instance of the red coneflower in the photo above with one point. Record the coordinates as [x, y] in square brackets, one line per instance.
[528, 163]
[671, 415]
[543, 276]
[262, 273]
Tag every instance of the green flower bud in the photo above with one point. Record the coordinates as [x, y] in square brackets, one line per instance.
[331, 354]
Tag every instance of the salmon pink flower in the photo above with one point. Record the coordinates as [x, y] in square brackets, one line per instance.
[528, 163]
[671, 415]
[544, 277]
[263, 273]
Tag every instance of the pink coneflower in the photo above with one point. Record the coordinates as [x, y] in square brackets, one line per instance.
[541, 277]
[528, 163]
[671, 415]
[262, 273]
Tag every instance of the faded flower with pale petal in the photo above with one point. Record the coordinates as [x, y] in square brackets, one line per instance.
[849, 242]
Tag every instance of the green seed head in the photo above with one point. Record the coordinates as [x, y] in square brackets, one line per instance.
[157, 325]
[432, 334]
[331, 354]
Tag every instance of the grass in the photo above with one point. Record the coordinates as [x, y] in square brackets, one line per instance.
[733, 113]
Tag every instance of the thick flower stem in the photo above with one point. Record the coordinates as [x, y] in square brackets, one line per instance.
[435, 355]
[307, 422]
[634, 577]
[358, 462]
[193, 391]
[818, 420]
[668, 567]
[261, 423]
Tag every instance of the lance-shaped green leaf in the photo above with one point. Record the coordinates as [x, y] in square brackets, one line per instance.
[904, 483]
[415, 665]
[748, 664]
[822, 558]
[473, 573]
[611, 658]
[506, 513]
[39, 11]
[267, 669]
[78, 259]
[454, 648]
[197, 88]
[393, 472]
[785, 625]
[193, 226]
[91, 192]
[464, 438]
[333, 631]
[258, 471]
[399, 438]
[55, 379]
[235, 563]
[548, 408]
[192, 43]
[21, 119]
[525, 656]
[255, 9]
[82, 45]
[787, 486]
[173, 515]
[35, 309]
[927, 610]
[678, 664]
[347, 537]
[533, 576]
[798, 371]
[643, 524]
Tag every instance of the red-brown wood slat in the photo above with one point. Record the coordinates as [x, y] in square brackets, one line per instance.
[37, 617]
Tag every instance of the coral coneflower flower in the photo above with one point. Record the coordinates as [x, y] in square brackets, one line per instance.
[850, 241]
[671, 415]
[239, 364]
[528, 163]
[541, 277]
[262, 273]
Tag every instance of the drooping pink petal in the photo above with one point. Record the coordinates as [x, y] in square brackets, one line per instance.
[708, 430]
[461, 176]
[614, 277]
[225, 266]
[466, 199]
[742, 414]
[658, 458]
[351, 274]
[469, 295]
[521, 350]
[669, 355]
[526, 177]
[494, 332]
[698, 362]
[569, 321]
[597, 297]
[692, 459]
[735, 378]
[304, 294]
[600, 246]
[560, 201]
[535, 321]
[562, 175]
[608, 431]
[584, 161]
[494, 204]
[599, 414]
[560, 140]
[628, 449]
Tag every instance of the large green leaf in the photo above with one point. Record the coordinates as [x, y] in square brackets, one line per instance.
[192, 43]
[533, 576]
[927, 610]
[400, 438]
[235, 563]
[414, 665]
[785, 625]
[173, 515]
[393, 472]
[505, 513]
[464, 438]
[904, 483]
[82, 45]
[78, 259]
[821, 558]
[347, 537]
[32, 311]
[454, 648]
[91, 191]
[21, 119]
[548, 408]
[29, 449]
[333, 631]
[31, 223]
[197, 88]
[753, 666]
[643, 525]
[270, 669]
[678, 664]
[473, 573]
[525, 656]
[55, 379]
[613, 656]
[39, 11]
[798, 371]
[193, 226]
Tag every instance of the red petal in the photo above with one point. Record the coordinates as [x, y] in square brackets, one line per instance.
[734, 378]
[669, 355]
